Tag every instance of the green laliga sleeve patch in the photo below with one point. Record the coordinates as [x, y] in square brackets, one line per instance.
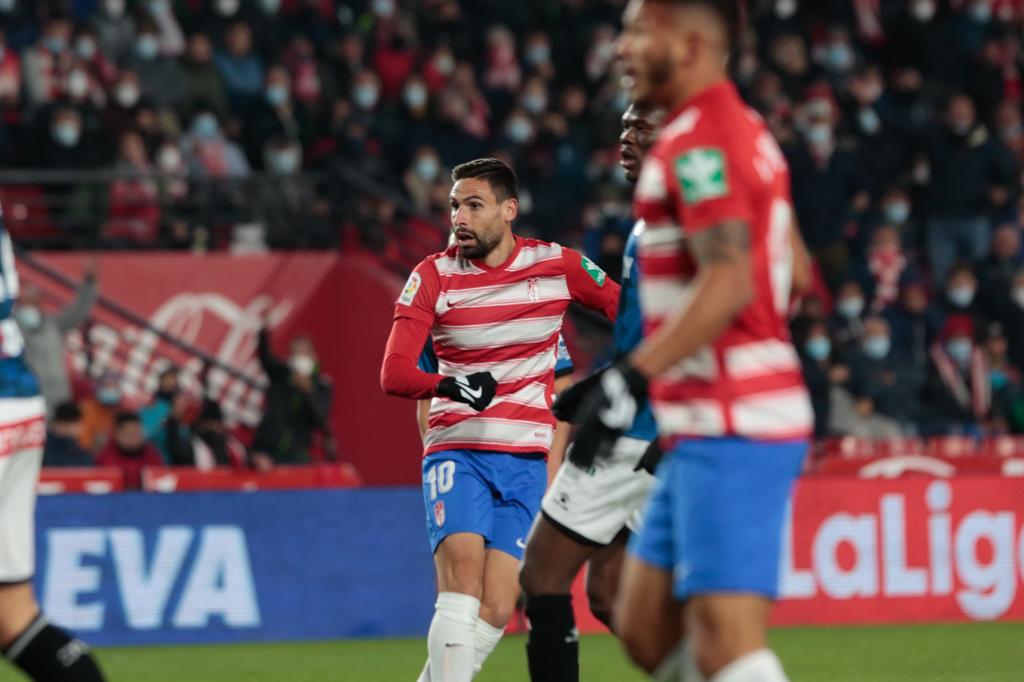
[701, 174]
[596, 273]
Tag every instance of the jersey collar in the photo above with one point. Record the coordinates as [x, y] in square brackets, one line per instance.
[721, 89]
[508, 261]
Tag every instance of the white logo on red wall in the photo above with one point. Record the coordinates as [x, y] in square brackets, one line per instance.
[911, 550]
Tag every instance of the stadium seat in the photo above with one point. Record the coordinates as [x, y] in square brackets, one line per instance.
[1003, 446]
[849, 447]
[26, 214]
[887, 447]
[952, 446]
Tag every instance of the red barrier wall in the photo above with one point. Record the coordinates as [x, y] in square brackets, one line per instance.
[217, 302]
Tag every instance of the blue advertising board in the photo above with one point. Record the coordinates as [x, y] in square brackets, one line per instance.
[140, 568]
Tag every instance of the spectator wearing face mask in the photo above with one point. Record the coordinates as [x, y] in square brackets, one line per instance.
[102, 69]
[275, 115]
[961, 295]
[820, 371]
[208, 153]
[128, 450]
[914, 323]
[829, 188]
[422, 176]
[995, 273]
[169, 34]
[160, 75]
[98, 412]
[297, 406]
[203, 85]
[846, 323]
[1014, 319]
[63, 448]
[1005, 380]
[134, 213]
[971, 175]
[288, 205]
[882, 377]
[885, 268]
[240, 68]
[44, 334]
[154, 415]
[47, 63]
[115, 29]
[957, 395]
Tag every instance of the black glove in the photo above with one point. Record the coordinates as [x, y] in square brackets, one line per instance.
[607, 411]
[651, 458]
[476, 390]
[568, 402]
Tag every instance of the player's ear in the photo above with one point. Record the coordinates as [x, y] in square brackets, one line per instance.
[510, 208]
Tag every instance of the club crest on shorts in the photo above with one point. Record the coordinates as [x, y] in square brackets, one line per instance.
[439, 512]
[533, 289]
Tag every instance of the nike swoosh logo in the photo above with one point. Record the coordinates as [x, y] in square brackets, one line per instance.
[520, 544]
[452, 646]
[471, 393]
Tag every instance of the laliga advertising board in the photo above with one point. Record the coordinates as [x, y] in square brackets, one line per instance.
[220, 567]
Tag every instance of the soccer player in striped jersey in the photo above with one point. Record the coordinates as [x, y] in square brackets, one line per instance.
[493, 304]
[563, 380]
[41, 650]
[588, 513]
[716, 360]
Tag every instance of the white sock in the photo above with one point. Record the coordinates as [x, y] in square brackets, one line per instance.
[485, 638]
[757, 666]
[450, 640]
[679, 666]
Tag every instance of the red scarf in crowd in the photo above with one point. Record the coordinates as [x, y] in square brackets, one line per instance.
[886, 266]
[978, 396]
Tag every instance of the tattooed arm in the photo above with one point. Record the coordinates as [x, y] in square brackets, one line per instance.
[722, 288]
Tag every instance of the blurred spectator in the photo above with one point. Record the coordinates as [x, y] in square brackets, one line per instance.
[163, 419]
[815, 349]
[273, 116]
[208, 153]
[212, 443]
[422, 176]
[995, 273]
[914, 324]
[172, 184]
[970, 176]
[115, 30]
[47, 62]
[846, 324]
[298, 402]
[957, 395]
[203, 85]
[240, 68]
[123, 105]
[171, 39]
[44, 335]
[1005, 382]
[63, 448]
[311, 84]
[879, 375]
[1013, 320]
[160, 75]
[886, 267]
[129, 450]
[287, 204]
[134, 200]
[102, 70]
[961, 295]
[99, 411]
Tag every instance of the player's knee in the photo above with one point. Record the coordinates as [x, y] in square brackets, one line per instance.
[600, 597]
[495, 613]
[640, 644]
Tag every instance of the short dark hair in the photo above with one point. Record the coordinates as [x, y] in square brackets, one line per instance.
[126, 416]
[494, 172]
[728, 11]
[67, 412]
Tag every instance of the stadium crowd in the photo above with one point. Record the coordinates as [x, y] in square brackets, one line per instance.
[902, 123]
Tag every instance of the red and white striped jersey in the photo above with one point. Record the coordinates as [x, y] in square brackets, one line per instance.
[714, 161]
[504, 320]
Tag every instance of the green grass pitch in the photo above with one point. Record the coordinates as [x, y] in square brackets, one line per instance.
[947, 653]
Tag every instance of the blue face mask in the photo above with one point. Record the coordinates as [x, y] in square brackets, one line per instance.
[108, 396]
[56, 44]
[277, 95]
[284, 161]
[896, 212]
[818, 347]
[147, 46]
[205, 126]
[960, 350]
[850, 307]
[877, 347]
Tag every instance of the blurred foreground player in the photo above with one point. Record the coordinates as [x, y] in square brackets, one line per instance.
[588, 513]
[725, 381]
[43, 651]
[494, 305]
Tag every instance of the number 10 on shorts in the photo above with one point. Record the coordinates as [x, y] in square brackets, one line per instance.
[441, 478]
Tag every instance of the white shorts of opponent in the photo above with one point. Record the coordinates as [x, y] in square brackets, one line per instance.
[22, 435]
[593, 505]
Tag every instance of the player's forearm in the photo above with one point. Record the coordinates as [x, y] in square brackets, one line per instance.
[721, 293]
[401, 378]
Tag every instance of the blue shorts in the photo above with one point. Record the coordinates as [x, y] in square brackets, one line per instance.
[493, 494]
[715, 517]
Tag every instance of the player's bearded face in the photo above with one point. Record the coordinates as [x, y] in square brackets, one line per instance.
[478, 220]
[643, 49]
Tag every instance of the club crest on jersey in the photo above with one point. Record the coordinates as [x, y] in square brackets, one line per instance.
[439, 512]
[533, 289]
[701, 174]
[596, 273]
[410, 289]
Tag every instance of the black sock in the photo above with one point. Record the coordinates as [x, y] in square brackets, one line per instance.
[48, 654]
[553, 647]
